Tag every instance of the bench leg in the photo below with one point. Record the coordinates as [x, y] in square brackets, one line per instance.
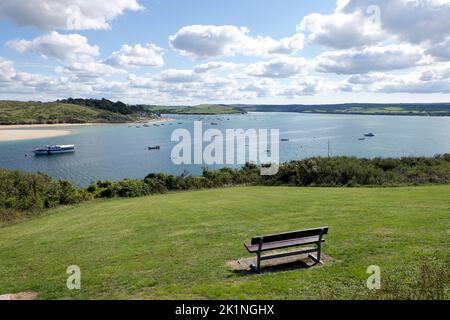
[317, 259]
[258, 262]
[257, 268]
[319, 250]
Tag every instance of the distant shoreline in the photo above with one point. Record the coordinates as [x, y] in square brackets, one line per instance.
[378, 114]
[357, 113]
[17, 132]
[423, 110]
[54, 125]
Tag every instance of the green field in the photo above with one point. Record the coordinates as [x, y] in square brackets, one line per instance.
[381, 111]
[176, 245]
[203, 109]
[410, 109]
[15, 112]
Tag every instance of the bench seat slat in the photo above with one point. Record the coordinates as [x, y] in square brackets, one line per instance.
[252, 248]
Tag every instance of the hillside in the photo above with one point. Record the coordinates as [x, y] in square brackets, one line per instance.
[202, 109]
[16, 112]
[412, 109]
[176, 245]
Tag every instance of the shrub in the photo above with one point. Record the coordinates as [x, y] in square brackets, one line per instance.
[22, 194]
[25, 194]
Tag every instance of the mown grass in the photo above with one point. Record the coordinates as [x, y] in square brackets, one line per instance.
[175, 246]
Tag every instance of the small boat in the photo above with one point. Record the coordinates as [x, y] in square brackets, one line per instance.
[154, 148]
[361, 139]
[284, 140]
[146, 125]
[369, 135]
[54, 149]
[138, 126]
[214, 123]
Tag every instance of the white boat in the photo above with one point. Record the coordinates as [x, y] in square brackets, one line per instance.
[55, 149]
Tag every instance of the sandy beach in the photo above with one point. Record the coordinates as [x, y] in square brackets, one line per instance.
[14, 135]
[47, 126]
[65, 125]
[26, 132]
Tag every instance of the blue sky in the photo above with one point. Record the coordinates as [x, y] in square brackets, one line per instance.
[197, 51]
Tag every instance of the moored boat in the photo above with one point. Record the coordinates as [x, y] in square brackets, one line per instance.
[55, 149]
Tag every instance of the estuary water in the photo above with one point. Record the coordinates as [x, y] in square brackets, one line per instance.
[114, 152]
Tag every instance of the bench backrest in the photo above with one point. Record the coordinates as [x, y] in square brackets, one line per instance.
[290, 235]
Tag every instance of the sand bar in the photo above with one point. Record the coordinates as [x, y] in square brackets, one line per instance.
[46, 126]
[26, 132]
[14, 135]
[64, 125]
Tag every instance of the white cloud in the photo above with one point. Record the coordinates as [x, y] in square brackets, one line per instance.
[441, 50]
[178, 76]
[65, 14]
[7, 71]
[206, 41]
[415, 21]
[423, 80]
[88, 70]
[402, 85]
[281, 67]
[287, 45]
[385, 58]
[59, 46]
[340, 30]
[214, 65]
[137, 56]
[260, 88]
[366, 79]
[357, 23]
[300, 90]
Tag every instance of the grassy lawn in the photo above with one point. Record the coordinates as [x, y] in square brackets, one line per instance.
[176, 245]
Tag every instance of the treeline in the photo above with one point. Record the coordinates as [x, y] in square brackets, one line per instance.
[25, 194]
[105, 104]
[433, 109]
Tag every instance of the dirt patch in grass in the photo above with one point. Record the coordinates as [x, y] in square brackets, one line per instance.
[279, 264]
[19, 296]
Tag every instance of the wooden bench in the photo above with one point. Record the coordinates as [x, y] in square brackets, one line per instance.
[276, 241]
